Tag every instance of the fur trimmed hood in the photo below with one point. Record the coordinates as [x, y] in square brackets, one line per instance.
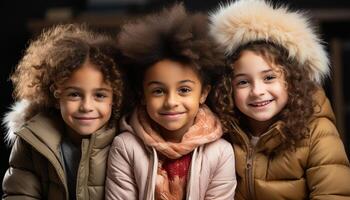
[14, 120]
[244, 21]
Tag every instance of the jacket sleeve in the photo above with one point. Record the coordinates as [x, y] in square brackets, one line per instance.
[120, 180]
[328, 171]
[20, 180]
[223, 183]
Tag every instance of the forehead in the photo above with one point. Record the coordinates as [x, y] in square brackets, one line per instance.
[87, 76]
[168, 71]
[250, 61]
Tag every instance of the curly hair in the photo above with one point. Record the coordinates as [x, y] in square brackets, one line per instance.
[55, 55]
[300, 107]
[170, 34]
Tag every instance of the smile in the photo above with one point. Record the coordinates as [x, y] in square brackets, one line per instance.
[85, 119]
[172, 115]
[261, 103]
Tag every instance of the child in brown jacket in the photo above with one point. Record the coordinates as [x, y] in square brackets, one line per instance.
[282, 126]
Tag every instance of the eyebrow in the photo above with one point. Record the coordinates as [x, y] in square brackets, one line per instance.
[77, 88]
[160, 83]
[263, 72]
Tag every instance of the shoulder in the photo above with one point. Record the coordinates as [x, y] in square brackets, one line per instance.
[126, 137]
[127, 142]
[218, 145]
[219, 149]
[322, 127]
[326, 146]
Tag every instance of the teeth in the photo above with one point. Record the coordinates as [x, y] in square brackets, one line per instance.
[261, 103]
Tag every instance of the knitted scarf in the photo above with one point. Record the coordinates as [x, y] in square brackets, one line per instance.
[205, 129]
[175, 158]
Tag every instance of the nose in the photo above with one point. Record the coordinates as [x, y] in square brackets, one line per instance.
[258, 89]
[171, 100]
[86, 105]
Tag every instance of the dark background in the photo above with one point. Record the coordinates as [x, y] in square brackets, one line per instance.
[23, 20]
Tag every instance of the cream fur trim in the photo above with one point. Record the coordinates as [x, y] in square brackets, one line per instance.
[14, 120]
[244, 21]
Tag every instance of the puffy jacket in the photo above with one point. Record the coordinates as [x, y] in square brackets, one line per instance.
[37, 169]
[132, 169]
[317, 169]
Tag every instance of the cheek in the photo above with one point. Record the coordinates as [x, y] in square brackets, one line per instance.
[239, 96]
[106, 108]
[66, 107]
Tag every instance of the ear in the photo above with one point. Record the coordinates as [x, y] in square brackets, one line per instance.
[57, 94]
[204, 95]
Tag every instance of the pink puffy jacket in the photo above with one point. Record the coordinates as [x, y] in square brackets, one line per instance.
[132, 170]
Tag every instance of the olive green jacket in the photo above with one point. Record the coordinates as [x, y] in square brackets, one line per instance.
[37, 169]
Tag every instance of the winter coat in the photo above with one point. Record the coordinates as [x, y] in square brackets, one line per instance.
[36, 164]
[132, 169]
[317, 169]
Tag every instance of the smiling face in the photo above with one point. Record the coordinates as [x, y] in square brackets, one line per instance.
[260, 90]
[173, 93]
[85, 100]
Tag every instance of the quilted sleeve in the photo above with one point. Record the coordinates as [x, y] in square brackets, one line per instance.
[328, 171]
[223, 183]
[20, 180]
[120, 180]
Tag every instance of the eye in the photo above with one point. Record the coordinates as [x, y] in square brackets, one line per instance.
[270, 77]
[184, 90]
[100, 96]
[73, 95]
[157, 91]
[241, 83]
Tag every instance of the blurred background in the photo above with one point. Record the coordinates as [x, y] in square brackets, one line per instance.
[24, 20]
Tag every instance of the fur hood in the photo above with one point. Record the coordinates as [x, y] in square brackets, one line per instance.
[14, 120]
[244, 21]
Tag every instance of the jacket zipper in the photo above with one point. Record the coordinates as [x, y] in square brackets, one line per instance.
[249, 173]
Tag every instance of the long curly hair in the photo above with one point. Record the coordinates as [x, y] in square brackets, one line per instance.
[55, 55]
[300, 107]
[170, 34]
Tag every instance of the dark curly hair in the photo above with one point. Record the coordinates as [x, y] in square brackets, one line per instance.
[55, 55]
[300, 107]
[170, 34]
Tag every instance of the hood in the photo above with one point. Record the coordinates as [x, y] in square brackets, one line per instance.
[245, 21]
[14, 120]
[323, 107]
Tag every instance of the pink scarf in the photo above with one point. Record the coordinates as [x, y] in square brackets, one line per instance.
[206, 129]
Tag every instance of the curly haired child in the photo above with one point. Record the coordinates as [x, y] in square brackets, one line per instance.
[69, 88]
[170, 146]
[283, 129]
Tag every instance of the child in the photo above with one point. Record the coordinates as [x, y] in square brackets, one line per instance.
[170, 146]
[283, 129]
[70, 89]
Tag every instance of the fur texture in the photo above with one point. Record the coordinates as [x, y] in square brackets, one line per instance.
[14, 120]
[244, 21]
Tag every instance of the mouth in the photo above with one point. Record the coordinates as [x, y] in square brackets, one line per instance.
[260, 103]
[171, 115]
[85, 119]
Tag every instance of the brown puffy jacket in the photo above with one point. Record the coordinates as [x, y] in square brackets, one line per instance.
[317, 169]
[36, 168]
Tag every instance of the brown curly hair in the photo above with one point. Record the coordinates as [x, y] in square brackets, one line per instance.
[300, 107]
[55, 55]
[170, 34]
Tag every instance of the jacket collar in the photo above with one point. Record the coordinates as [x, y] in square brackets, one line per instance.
[268, 141]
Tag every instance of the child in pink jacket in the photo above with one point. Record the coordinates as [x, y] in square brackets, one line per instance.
[170, 146]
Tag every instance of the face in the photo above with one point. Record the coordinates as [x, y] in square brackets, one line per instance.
[260, 90]
[85, 100]
[173, 93]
